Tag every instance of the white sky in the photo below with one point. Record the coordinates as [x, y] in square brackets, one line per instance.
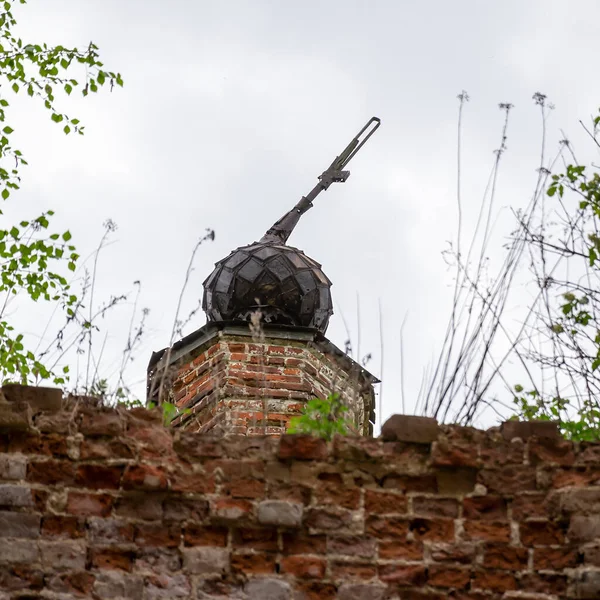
[231, 109]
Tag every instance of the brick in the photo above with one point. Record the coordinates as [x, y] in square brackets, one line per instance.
[19, 525]
[89, 505]
[330, 519]
[435, 530]
[59, 526]
[280, 513]
[509, 480]
[46, 444]
[408, 428]
[385, 502]
[51, 472]
[304, 567]
[106, 447]
[101, 422]
[551, 451]
[495, 581]
[455, 480]
[267, 589]
[195, 534]
[568, 477]
[13, 466]
[584, 529]
[225, 509]
[205, 561]
[541, 533]
[435, 507]
[359, 546]
[402, 574]
[309, 589]
[361, 591]
[160, 534]
[302, 447]
[498, 452]
[109, 531]
[38, 397]
[112, 558]
[140, 506]
[167, 586]
[79, 583]
[70, 555]
[555, 559]
[453, 454]
[502, 556]
[575, 501]
[525, 506]
[587, 585]
[335, 491]
[386, 527]
[411, 483]
[255, 539]
[448, 577]
[15, 496]
[98, 477]
[526, 429]
[400, 550]
[19, 551]
[488, 508]
[544, 583]
[116, 584]
[348, 571]
[302, 543]
[463, 553]
[145, 477]
[183, 508]
[15, 417]
[488, 531]
[61, 422]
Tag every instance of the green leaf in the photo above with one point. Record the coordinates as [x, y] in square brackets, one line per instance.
[66, 236]
[5, 194]
[8, 130]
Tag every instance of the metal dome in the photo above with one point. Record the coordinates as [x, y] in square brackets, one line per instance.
[287, 286]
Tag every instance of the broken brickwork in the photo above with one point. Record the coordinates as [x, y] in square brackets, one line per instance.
[98, 503]
[228, 381]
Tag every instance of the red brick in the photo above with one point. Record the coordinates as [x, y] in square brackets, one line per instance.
[457, 481]
[303, 447]
[541, 533]
[498, 452]
[524, 506]
[402, 574]
[102, 447]
[57, 526]
[489, 508]
[89, 505]
[384, 502]
[315, 590]
[344, 571]
[184, 508]
[435, 507]
[139, 505]
[112, 558]
[302, 543]
[411, 483]
[575, 478]
[448, 577]
[359, 546]
[502, 556]
[555, 559]
[408, 428]
[304, 567]
[434, 530]
[400, 550]
[253, 564]
[230, 509]
[256, 539]
[145, 477]
[545, 583]
[195, 534]
[386, 527]
[488, 531]
[454, 454]
[551, 451]
[526, 429]
[185, 480]
[509, 480]
[495, 581]
[161, 534]
[46, 444]
[99, 477]
[77, 583]
[51, 472]
[455, 553]
[101, 422]
[333, 490]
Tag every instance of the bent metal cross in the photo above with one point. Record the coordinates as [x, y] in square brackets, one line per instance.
[285, 285]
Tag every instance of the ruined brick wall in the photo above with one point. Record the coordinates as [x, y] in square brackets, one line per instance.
[100, 504]
[255, 387]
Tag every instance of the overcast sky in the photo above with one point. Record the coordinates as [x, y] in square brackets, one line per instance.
[231, 109]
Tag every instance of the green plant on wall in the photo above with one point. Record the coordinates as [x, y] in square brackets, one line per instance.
[322, 418]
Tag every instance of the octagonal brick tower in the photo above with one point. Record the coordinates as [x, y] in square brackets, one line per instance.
[263, 353]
